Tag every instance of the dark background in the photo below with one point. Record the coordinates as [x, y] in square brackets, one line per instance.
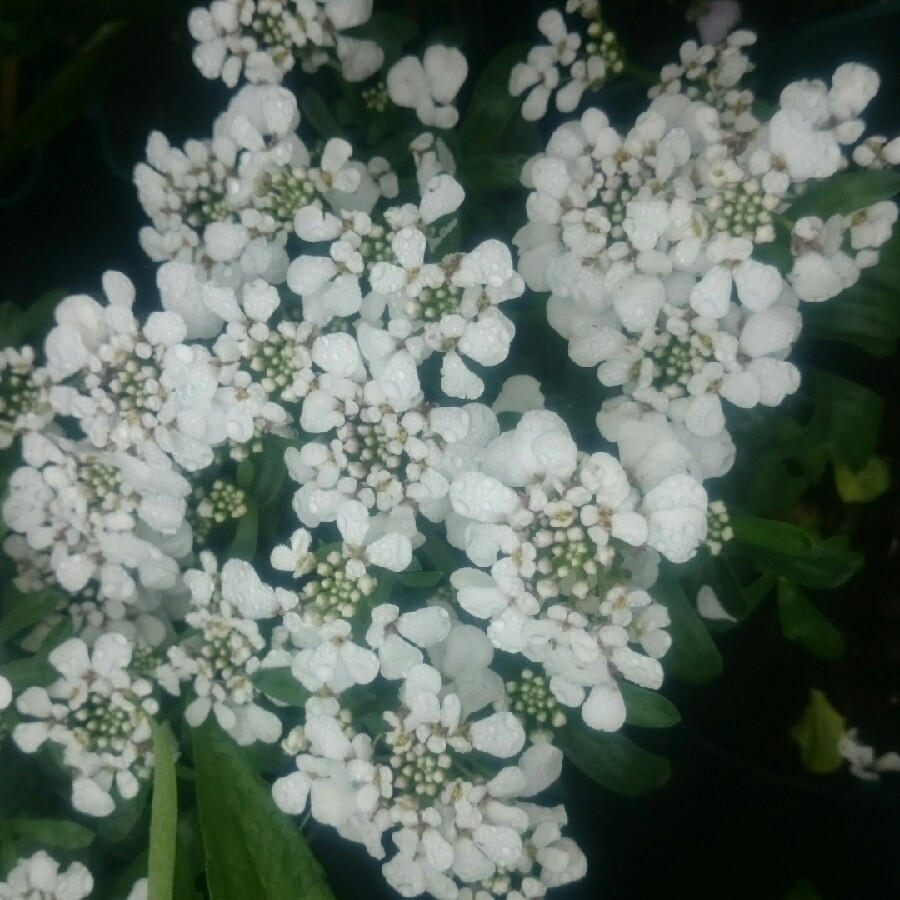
[740, 818]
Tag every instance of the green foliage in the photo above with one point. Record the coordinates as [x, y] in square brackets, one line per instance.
[693, 655]
[614, 761]
[817, 733]
[28, 672]
[252, 848]
[18, 326]
[47, 833]
[648, 709]
[279, 684]
[864, 486]
[867, 314]
[828, 564]
[64, 97]
[24, 611]
[803, 890]
[844, 193]
[390, 31]
[163, 819]
[491, 109]
[243, 545]
[769, 534]
[420, 579]
[802, 622]
[317, 113]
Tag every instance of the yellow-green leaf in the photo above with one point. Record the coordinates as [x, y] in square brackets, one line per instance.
[817, 733]
[870, 482]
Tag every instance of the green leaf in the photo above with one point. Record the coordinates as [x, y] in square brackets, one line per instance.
[648, 709]
[827, 565]
[769, 534]
[252, 849]
[389, 30]
[245, 473]
[163, 819]
[492, 171]
[864, 486]
[817, 733]
[318, 113]
[280, 684]
[844, 194]
[37, 317]
[52, 833]
[693, 656]
[854, 420]
[803, 890]
[802, 622]
[437, 551]
[25, 610]
[60, 632]
[11, 330]
[243, 545]
[63, 99]
[124, 819]
[614, 762]
[491, 107]
[424, 579]
[28, 672]
[270, 471]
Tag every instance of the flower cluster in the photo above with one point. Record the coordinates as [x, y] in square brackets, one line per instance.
[99, 713]
[322, 317]
[262, 39]
[653, 247]
[590, 62]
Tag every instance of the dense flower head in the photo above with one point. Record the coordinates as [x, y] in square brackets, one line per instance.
[650, 242]
[293, 497]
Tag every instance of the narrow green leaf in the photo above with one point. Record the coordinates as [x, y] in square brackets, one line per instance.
[854, 422]
[769, 534]
[270, 471]
[817, 733]
[424, 579]
[60, 632]
[163, 819]
[693, 655]
[438, 552]
[28, 672]
[280, 684]
[827, 565]
[245, 473]
[845, 193]
[317, 112]
[802, 622]
[11, 330]
[252, 849]
[52, 833]
[26, 610]
[124, 819]
[63, 98]
[243, 545]
[491, 107]
[492, 171]
[803, 890]
[648, 709]
[37, 317]
[614, 762]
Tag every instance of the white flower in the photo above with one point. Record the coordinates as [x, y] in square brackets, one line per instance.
[430, 86]
[676, 517]
[39, 877]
